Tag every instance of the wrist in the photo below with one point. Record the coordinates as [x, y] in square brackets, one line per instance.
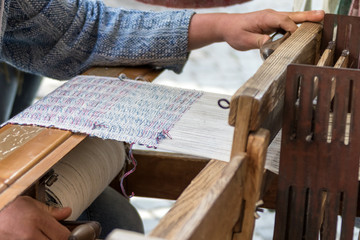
[206, 29]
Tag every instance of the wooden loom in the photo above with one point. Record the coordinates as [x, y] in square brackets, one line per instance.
[215, 199]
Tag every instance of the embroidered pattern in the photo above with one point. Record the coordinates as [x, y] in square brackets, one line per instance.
[109, 108]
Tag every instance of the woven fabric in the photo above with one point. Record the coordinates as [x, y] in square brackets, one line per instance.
[110, 108]
[62, 38]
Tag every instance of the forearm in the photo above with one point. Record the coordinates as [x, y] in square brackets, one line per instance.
[66, 37]
[205, 29]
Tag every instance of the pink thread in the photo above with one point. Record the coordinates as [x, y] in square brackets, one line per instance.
[133, 160]
[162, 135]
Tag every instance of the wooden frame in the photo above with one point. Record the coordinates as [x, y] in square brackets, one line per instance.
[211, 189]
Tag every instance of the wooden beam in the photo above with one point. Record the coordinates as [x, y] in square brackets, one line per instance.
[209, 207]
[242, 125]
[162, 175]
[267, 84]
[140, 73]
[13, 137]
[19, 162]
[256, 150]
[44, 163]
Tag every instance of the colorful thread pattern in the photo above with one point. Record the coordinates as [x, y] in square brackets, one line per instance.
[109, 108]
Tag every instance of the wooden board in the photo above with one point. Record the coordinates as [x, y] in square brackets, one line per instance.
[256, 150]
[13, 166]
[267, 84]
[212, 204]
[162, 175]
[209, 207]
[41, 163]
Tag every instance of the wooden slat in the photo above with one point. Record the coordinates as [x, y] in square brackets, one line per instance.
[163, 175]
[13, 137]
[144, 73]
[327, 58]
[256, 150]
[5, 128]
[16, 164]
[343, 60]
[266, 86]
[242, 125]
[209, 207]
[40, 168]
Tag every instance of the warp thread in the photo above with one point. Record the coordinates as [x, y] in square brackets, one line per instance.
[84, 173]
[161, 135]
[134, 162]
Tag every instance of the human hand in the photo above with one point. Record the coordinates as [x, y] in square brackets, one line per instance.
[244, 31]
[26, 218]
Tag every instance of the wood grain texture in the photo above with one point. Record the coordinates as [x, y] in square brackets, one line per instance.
[13, 137]
[209, 207]
[242, 125]
[327, 58]
[267, 84]
[141, 73]
[256, 150]
[16, 164]
[48, 160]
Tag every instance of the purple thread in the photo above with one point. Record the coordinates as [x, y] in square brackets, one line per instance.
[224, 100]
[133, 160]
[162, 135]
[98, 125]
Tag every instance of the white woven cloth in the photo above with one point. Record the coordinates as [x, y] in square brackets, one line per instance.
[111, 108]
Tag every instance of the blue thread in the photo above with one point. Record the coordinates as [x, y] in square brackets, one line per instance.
[162, 135]
[98, 125]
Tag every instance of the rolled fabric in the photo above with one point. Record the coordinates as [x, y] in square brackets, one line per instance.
[84, 173]
[192, 3]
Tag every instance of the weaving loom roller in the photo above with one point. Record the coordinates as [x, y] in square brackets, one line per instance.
[196, 212]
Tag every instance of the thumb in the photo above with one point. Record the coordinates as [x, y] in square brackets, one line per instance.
[262, 39]
[60, 213]
[57, 212]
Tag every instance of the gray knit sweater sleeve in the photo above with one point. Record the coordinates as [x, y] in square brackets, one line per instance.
[62, 38]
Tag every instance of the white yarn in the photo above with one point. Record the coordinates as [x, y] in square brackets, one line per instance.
[203, 130]
[85, 172]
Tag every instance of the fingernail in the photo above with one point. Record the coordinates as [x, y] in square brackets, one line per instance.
[318, 11]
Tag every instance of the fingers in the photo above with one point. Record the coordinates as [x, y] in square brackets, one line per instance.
[254, 40]
[51, 228]
[307, 16]
[60, 213]
[288, 23]
[47, 220]
[57, 213]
